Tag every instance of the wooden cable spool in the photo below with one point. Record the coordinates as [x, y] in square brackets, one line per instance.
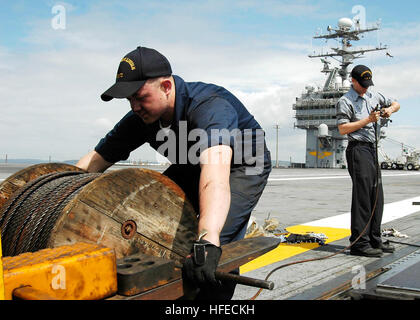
[130, 210]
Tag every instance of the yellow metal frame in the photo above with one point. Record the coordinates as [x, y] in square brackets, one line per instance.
[81, 271]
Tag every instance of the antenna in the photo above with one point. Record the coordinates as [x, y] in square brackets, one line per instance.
[345, 34]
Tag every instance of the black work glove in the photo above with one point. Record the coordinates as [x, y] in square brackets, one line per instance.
[200, 266]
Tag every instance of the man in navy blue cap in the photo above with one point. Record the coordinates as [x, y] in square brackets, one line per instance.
[224, 191]
[357, 117]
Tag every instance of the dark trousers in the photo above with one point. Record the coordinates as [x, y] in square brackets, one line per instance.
[245, 193]
[361, 160]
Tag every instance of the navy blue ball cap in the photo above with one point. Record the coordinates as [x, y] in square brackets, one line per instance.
[363, 75]
[134, 70]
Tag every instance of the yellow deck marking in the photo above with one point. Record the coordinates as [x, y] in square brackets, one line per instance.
[285, 250]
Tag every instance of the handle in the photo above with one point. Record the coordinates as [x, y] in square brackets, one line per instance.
[244, 280]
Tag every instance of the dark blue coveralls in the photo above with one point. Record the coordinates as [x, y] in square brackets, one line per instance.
[206, 107]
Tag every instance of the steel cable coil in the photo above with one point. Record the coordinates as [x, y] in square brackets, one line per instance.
[28, 217]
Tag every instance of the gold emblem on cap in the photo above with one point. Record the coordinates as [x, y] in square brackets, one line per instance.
[120, 75]
[369, 74]
[130, 62]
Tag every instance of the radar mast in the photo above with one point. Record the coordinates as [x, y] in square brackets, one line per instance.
[345, 33]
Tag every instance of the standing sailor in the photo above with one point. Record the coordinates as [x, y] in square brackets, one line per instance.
[357, 117]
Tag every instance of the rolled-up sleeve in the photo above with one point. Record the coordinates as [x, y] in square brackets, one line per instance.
[343, 111]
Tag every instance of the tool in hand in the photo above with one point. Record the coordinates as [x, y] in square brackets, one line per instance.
[259, 283]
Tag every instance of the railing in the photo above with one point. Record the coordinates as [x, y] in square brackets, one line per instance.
[310, 103]
[316, 112]
[315, 123]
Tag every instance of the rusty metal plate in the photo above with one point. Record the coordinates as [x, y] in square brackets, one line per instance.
[140, 272]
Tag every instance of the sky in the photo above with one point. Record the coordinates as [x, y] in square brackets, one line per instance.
[56, 58]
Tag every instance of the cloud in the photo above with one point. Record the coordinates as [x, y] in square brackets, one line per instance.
[50, 89]
[103, 123]
[51, 93]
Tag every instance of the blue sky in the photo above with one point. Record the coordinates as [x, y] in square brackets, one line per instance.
[246, 19]
[51, 79]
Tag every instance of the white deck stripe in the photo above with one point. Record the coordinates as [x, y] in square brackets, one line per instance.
[308, 178]
[340, 177]
[392, 211]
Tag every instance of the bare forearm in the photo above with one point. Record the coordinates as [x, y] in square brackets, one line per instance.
[350, 127]
[346, 128]
[394, 107]
[214, 207]
[93, 162]
[214, 191]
